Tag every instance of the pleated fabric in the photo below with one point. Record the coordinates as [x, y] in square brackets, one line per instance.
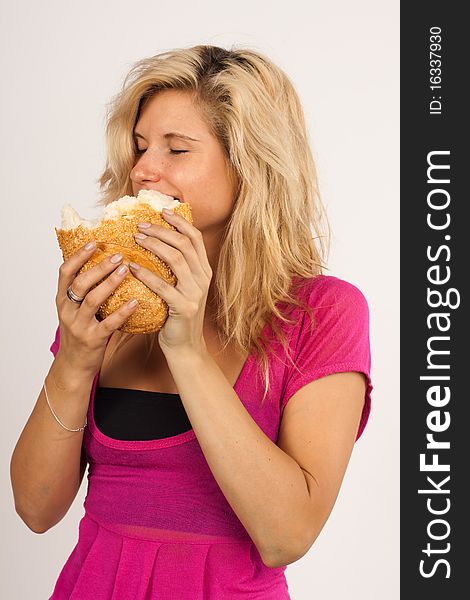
[106, 565]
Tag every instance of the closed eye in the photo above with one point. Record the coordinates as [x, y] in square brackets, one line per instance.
[139, 151]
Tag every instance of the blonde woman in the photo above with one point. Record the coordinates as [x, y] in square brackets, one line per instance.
[216, 447]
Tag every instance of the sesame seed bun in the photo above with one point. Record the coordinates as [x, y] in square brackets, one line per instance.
[114, 232]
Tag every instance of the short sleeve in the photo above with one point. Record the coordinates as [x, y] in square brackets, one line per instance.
[339, 341]
[56, 343]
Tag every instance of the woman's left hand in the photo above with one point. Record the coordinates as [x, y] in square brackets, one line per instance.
[184, 252]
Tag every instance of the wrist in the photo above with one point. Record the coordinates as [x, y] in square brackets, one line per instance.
[186, 354]
[191, 351]
[67, 378]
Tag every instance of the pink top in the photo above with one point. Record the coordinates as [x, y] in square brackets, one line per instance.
[156, 524]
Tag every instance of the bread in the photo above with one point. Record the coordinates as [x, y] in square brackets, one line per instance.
[114, 232]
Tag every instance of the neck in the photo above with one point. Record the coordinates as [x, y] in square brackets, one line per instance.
[212, 243]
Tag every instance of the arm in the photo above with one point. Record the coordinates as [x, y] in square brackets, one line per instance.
[48, 463]
[265, 485]
[318, 430]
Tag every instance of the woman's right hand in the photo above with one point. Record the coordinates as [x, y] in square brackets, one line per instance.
[83, 339]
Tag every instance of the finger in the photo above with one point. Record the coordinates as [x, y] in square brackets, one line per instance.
[84, 282]
[166, 291]
[197, 240]
[97, 296]
[176, 257]
[69, 269]
[174, 239]
[116, 319]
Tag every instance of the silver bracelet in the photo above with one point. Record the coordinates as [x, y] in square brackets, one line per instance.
[57, 418]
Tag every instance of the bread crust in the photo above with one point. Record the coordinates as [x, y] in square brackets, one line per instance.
[117, 235]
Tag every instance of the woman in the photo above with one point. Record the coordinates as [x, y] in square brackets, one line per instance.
[217, 446]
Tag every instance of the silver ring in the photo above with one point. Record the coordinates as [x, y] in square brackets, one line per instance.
[74, 297]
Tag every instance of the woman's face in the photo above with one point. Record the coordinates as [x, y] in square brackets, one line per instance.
[192, 170]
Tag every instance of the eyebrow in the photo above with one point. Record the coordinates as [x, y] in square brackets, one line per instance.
[171, 134]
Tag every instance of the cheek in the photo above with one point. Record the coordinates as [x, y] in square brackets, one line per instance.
[209, 185]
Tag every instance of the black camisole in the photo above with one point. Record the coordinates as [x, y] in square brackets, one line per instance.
[125, 414]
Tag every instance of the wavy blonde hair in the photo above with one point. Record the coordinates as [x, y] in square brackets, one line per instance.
[278, 233]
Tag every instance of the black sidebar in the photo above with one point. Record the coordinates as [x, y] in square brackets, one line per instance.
[435, 257]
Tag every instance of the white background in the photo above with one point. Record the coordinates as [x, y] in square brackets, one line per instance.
[61, 64]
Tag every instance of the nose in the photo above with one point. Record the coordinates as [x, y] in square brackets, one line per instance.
[146, 169]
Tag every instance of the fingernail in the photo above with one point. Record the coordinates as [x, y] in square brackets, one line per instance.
[140, 236]
[144, 225]
[122, 269]
[134, 266]
[115, 258]
[90, 245]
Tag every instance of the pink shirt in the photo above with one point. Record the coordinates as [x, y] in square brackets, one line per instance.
[156, 524]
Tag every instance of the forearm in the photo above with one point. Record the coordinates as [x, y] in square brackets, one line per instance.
[45, 464]
[265, 487]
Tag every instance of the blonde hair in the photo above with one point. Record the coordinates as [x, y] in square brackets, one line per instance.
[268, 250]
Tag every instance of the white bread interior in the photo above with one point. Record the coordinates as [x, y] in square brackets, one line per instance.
[119, 208]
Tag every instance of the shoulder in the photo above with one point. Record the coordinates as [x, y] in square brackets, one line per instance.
[337, 341]
[338, 332]
[330, 294]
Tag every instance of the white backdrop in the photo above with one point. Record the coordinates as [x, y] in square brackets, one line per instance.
[61, 63]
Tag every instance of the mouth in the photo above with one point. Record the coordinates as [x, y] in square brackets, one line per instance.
[151, 189]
